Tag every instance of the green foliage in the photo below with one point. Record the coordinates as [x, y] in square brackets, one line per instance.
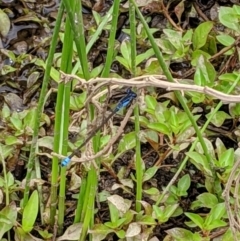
[8, 218]
[161, 118]
[30, 212]
[125, 60]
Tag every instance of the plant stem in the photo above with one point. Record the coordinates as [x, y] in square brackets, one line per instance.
[184, 162]
[170, 78]
[40, 106]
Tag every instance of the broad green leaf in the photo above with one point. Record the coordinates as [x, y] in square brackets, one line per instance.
[220, 147]
[219, 118]
[170, 209]
[149, 173]
[174, 37]
[226, 159]
[77, 101]
[216, 224]
[5, 224]
[197, 219]
[196, 54]
[121, 233]
[100, 231]
[29, 120]
[209, 146]
[200, 161]
[160, 127]
[10, 179]
[6, 112]
[5, 151]
[229, 18]
[145, 56]
[184, 184]
[8, 217]
[158, 211]
[12, 140]
[17, 122]
[217, 212]
[124, 62]
[205, 73]
[206, 200]
[147, 220]
[97, 17]
[150, 102]
[46, 141]
[201, 33]
[225, 39]
[127, 142]
[126, 51]
[95, 72]
[152, 191]
[30, 212]
[114, 215]
[4, 23]
[180, 234]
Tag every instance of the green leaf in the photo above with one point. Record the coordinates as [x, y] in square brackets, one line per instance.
[149, 173]
[147, 220]
[183, 185]
[229, 18]
[197, 219]
[126, 51]
[219, 118]
[216, 213]
[6, 112]
[227, 158]
[220, 147]
[5, 224]
[205, 73]
[174, 37]
[121, 233]
[4, 23]
[8, 217]
[10, 179]
[77, 101]
[127, 142]
[5, 151]
[216, 224]
[152, 191]
[170, 209]
[200, 161]
[114, 214]
[100, 231]
[95, 72]
[207, 200]
[29, 119]
[11, 140]
[124, 62]
[150, 102]
[196, 54]
[144, 56]
[201, 33]
[114, 225]
[225, 39]
[30, 212]
[160, 127]
[180, 234]
[17, 122]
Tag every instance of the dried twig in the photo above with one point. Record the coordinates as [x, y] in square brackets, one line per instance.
[155, 81]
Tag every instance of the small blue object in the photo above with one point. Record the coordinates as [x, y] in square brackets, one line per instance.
[65, 161]
[125, 101]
